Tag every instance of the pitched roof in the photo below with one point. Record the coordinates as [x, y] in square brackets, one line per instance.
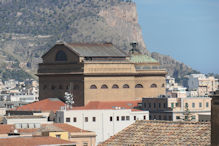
[68, 128]
[96, 50]
[33, 141]
[162, 133]
[5, 129]
[109, 105]
[50, 104]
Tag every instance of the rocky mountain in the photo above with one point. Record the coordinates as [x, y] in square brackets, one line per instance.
[174, 68]
[29, 27]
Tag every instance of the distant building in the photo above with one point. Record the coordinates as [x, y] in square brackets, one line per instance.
[195, 106]
[98, 72]
[163, 133]
[74, 135]
[202, 84]
[173, 89]
[25, 120]
[104, 118]
[174, 109]
[158, 108]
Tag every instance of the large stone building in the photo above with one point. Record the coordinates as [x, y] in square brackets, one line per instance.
[98, 72]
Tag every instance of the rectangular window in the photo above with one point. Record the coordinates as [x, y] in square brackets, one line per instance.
[86, 119]
[117, 118]
[155, 117]
[154, 105]
[111, 118]
[159, 105]
[123, 118]
[58, 136]
[193, 105]
[127, 118]
[74, 119]
[193, 117]
[172, 105]
[165, 117]
[149, 105]
[200, 104]
[134, 117]
[94, 119]
[176, 104]
[207, 104]
[178, 117]
[164, 105]
[68, 119]
[150, 117]
[145, 105]
[159, 117]
[186, 105]
[170, 118]
[144, 117]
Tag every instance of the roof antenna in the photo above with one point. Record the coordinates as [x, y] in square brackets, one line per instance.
[134, 47]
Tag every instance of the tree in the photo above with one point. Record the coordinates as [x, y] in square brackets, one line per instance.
[187, 114]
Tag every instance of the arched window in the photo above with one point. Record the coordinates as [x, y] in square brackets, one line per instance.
[115, 86]
[163, 85]
[139, 86]
[154, 86]
[104, 86]
[60, 86]
[126, 86]
[53, 87]
[93, 87]
[61, 56]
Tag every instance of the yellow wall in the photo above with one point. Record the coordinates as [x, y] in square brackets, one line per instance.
[64, 135]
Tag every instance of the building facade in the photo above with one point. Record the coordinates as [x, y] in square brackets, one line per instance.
[202, 84]
[103, 118]
[98, 72]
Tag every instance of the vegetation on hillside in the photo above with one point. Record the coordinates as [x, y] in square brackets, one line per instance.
[28, 28]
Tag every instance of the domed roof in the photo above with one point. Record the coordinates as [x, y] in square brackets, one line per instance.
[140, 58]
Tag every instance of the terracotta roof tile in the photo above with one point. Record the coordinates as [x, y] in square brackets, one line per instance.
[69, 128]
[162, 133]
[43, 105]
[5, 129]
[32, 141]
[109, 105]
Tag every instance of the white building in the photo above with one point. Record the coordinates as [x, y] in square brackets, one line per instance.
[25, 120]
[10, 84]
[175, 90]
[23, 98]
[202, 84]
[104, 118]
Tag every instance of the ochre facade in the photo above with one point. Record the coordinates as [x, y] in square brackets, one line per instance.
[97, 78]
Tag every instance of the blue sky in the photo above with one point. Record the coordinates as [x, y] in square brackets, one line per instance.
[187, 30]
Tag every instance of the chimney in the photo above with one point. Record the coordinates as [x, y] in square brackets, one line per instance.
[215, 119]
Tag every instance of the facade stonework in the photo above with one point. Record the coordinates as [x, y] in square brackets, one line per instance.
[98, 72]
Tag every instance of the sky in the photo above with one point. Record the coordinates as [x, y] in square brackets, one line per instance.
[187, 30]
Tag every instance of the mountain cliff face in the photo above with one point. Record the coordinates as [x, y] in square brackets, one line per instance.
[30, 27]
